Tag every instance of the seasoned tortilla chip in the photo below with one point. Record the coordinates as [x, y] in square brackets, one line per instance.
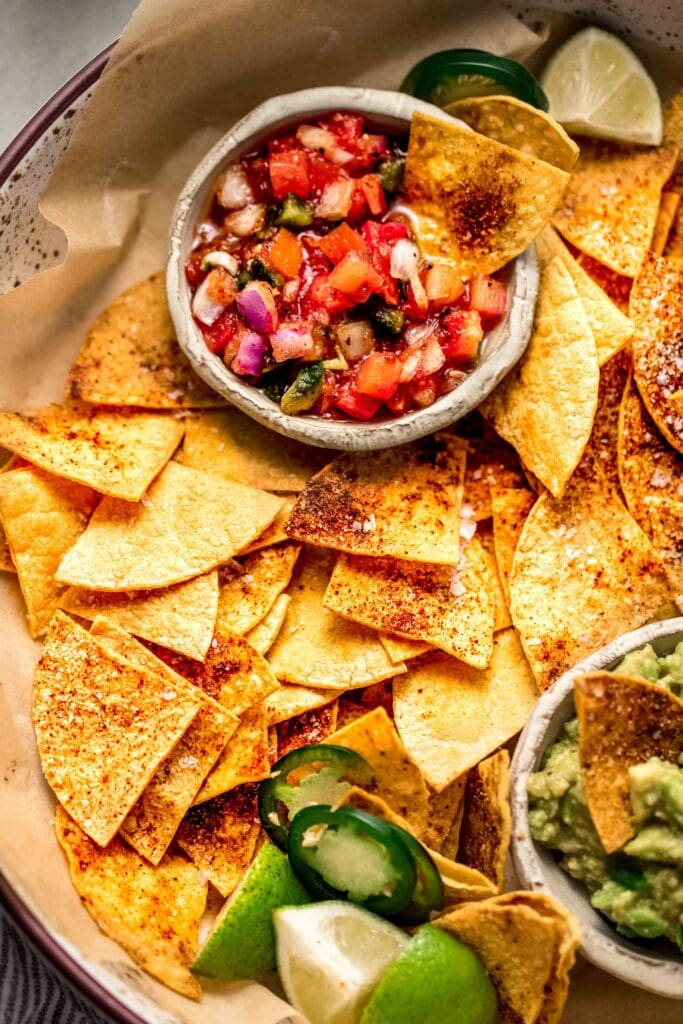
[546, 404]
[102, 726]
[245, 759]
[265, 633]
[527, 946]
[354, 704]
[116, 453]
[616, 286]
[583, 573]
[154, 820]
[599, 462]
[397, 777]
[657, 314]
[450, 715]
[663, 523]
[315, 647]
[399, 648]
[288, 701]
[220, 836]
[233, 446]
[486, 825]
[400, 502]
[478, 203]
[519, 125]
[181, 617]
[275, 533]
[151, 912]
[246, 596]
[674, 244]
[233, 673]
[6, 563]
[673, 136]
[666, 218]
[131, 356]
[188, 523]
[451, 841]
[623, 721]
[448, 607]
[611, 329]
[511, 506]
[501, 612]
[491, 462]
[444, 808]
[42, 516]
[311, 727]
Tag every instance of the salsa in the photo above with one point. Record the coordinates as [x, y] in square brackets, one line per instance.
[307, 279]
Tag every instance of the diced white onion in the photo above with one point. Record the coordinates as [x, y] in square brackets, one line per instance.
[432, 356]
[355, 339]
[323, 141]
[206, 311]
[247, 221]
[405, 257]
[335, 202]
[419, 294]
[233, 188]
[218, 258]
[290, 290]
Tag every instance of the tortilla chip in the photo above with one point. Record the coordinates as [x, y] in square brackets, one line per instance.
[610, 208]
[354, 704]
[451, 841]
[673, 136]
[245, 759]
[478, 204]
[246, 596]
[511, 506]
[116, 453]
[674, 243]
[546, 404]
[400, 502]
[518, 125]
[449, 608]
[399, 648]
[154, 820]
[444, 808]
[397, 777]
[486, 826]
[275, 533]
[311, 727]
[657, 314]
[617, 287]
[265, 633]
[599, 462]
[450, 715]
[233, 673]
[315, 647]
[611, 329]
[131, 356]
[42, 516]
[233, 446]
[663, 523]
[6, 563]
[153, 913]
[220, 836]
[501, 612]
[102, 726]
[623, 721]
[491, 462]
[188, 523]
[181, 617]
[289, 701]
[583, 573]
[527, 946]
[666, 218]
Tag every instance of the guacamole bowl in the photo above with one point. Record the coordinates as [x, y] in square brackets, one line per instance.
[658, 967]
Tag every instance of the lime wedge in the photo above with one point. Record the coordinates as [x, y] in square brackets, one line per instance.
[330, 956]
[597, 86]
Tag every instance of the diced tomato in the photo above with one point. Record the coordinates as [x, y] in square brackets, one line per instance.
[400, 402]
[193, 271]
[341, 240]
[423, 391]
[443, 285]
[356, 276]
[350, 400]
[285, 253]
[488, 296]
[359, 207]
[258, 177]
[320, 173]
[222, 332]
[463, 335]
[322, 295]
[378, 375]
[289, 173]
[374, 194]
[378, 236]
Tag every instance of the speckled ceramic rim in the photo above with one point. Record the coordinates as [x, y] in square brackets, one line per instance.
[536, 867]
[502, 347]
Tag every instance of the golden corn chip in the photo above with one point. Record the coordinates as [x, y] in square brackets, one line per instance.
[248, 594]
[263, 635]
[486, 825]
[245, 759]
[511, 506]
[673, 250]
[444, 808]
[354, 704]
[307, 729]
[6, 563]
[494, 582]
[673, 136]
[491, 462]
[666, 218]
[275, 533]
[400, 648]
[600, 462]
[288, 701]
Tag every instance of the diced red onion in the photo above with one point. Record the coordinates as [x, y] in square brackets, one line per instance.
[256, 304]
[226, 260]
[324, 142]
[292, 341]
[405, 257]
[246, 221]
[250, 355]
[335, 201]
[203, 309]
[233, 188]
[355, 339]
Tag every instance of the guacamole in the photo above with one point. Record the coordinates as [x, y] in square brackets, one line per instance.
[640, 888]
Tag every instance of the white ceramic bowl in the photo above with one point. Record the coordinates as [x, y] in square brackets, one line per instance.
[501, 348]
[660, 972]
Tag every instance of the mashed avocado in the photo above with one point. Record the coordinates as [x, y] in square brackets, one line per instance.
[639, 888]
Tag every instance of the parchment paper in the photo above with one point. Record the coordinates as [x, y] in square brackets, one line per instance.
[182, 73]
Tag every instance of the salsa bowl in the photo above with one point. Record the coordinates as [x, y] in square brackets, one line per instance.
[500, 349]
[659, 971]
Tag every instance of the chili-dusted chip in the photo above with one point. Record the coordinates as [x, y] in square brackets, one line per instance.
[673, 250]
[491, 462]
[154, 820]
[264, 634]
[248, 594]
[519, 125]
[599, 462]
[42, 515]
[245, 759]
[316, 648]
[611, 329]
[546, 404]
[275, 533]
[113, 452]
[188, 523]
[400, 502]
[511, 506]
[610, 208]
[131, 356]
[501, 613]
[288, 701]
[663, 523]
[486, 825]
[673, 136]
[234, 446]
[477, 202]
[220, 836]
[623, 721]
[657, 313]
[399, 648]
[444, 808]
[306, 729]
[354, 704]
[103, 726]
[450, 715]
[666, 218]
[152, 912]
[181, 617]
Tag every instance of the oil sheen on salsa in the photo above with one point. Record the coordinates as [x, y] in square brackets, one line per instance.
[307, 280]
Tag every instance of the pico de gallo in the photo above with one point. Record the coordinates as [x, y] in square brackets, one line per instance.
[307, 279]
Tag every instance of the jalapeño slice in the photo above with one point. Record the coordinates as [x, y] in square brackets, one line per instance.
[453, 75]
[428, 893]
[289, 789]
[349, 854]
